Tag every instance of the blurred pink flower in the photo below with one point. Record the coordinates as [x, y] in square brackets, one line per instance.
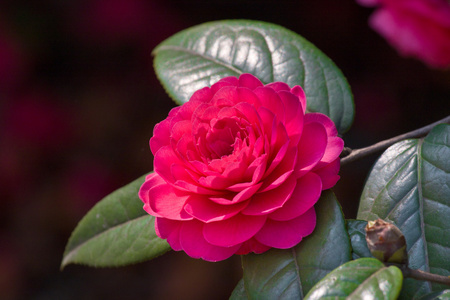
[416, 28]
[12, 62]
[119, 21]
[33, 127]
[238, 169]
[35, 120]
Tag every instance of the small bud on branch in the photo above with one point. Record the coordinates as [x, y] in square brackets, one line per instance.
[386, 242]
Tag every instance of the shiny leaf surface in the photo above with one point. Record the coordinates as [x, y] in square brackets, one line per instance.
[358, 238]
[410, 187]
[365, 278]
[239, 292]
[290, 273]
[441, 295]
[201, 55]
[115, 232]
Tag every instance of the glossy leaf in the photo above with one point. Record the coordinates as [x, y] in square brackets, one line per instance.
[358, 238]
[239, 292]
[290, 273]
[410, 186]
[441, 295]
[201, 55]
[364, 278]
[116, 231]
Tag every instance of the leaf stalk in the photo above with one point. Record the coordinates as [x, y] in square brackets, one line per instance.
[349, 155]
[421, 275]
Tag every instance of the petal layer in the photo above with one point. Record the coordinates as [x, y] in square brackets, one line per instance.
[287, 234]
[194, 244]
[233, 231]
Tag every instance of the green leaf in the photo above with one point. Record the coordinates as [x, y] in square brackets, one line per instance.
[410, 187]
[115, 232]
[290, 273]
[358, 238]
[199, 56]
[239, 292]
[364, 278]
[441, 295]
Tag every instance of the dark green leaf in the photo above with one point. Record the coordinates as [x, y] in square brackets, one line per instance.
[410, 187]
[290, 273]
[239, 292]
[365, 278]
[201, 55]
[358, 238]
[115, 232]
[441, 295]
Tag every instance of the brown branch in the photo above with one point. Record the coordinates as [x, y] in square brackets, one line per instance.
[349, 155]
[422, 275]
[419, 274]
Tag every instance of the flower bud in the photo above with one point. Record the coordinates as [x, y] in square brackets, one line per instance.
[386, 242]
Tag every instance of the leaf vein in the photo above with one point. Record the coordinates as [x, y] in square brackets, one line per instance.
[434, 165]
[75, 250]
[391, 179]
[297, 270]
[206, 57]
[421, 209]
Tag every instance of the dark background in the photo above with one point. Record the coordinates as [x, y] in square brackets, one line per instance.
[78, 102]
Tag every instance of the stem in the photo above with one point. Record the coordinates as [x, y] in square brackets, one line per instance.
[422, 275]
[359, 153]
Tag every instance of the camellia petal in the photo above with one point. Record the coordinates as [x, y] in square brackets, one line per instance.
[239, 197]
[202, 95]
[161, 136]
[249, 81]
[193, 243]
[287, 234]
[151, 180]
[324, 120]
[168, 202]
[328, 174]
[294, 116]
[205, 210]
[233, 231]
[282, 171]
[279, 86]
[305, 195]
[335, 144]
[229, 81]
[170, 230]
[279, 145]
[238, 169]
[311, 147]
[249, 110]
[416, 28]
[270, 99]
[266, 202]
[334, 148]
[252, 245]
[229, 92]
[164, 159]
[298, 91]
[189, 187]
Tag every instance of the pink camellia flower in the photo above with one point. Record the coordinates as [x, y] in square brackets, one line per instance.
[416, 28]
[238, 169]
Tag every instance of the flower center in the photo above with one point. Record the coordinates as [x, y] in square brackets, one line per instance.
[225, 137]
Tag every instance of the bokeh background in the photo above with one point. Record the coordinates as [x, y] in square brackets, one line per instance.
[79, 99]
